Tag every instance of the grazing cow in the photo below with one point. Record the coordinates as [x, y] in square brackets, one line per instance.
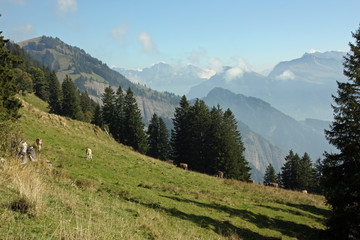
[31, 153]
[39, 143]
[183, 166]
[304, 191]
[219, 174]
[251, 181]
[272, 184]
[88, 153]
[62, 123]
[23, 153]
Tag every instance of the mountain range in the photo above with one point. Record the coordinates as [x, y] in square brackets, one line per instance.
[301, 88]
[165, 77]
[267, 132]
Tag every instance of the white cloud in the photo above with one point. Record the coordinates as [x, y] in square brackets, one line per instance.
[65, 6]
[23, 32]
[241, 64]
[314, 51]
[207, 73]
[119, 33]
[216, 64]
[146, 42]
[233, 73]
[286, 75]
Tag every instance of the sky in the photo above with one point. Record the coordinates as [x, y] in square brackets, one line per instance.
[256, 34]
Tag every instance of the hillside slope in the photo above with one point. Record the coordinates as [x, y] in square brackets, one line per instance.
[91, 75]
[121, 194]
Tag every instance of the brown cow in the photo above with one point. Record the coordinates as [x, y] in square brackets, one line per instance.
[219, 174]
[183, 166]
[272, 184]
[251, 180]
[88, 153]
[39, 143]
[62, 123]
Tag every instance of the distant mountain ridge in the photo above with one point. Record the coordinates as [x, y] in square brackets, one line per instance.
[164, 77]
[91, 75]
[301, 88]
[278, 128]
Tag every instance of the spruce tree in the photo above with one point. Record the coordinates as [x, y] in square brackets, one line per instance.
[306, 173]
[290, 171]
[134, 132]
[341, 171]
[97, 118]
[55, 98]
[181, 134]
[71, 100]
[9, 104]
[153, 137]
[41, 86]
[164, 144]
[108, 109]
[86, 106]
[120, 116]
[269, 175]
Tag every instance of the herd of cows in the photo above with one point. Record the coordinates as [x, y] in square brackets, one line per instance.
[29, 152]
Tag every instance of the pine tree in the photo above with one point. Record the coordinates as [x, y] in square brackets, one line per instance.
[290, 171]
[9, 105]
[181, 134]
[41, 86]
[269, 175]
[86, 106]
[55, 98]
[235, 165]
[341, 171]
[71, 100]
[153, 137]
[164, 144]
[108, 109]
[97, 118]
[306, 173]
[120, 116]
[134, 133]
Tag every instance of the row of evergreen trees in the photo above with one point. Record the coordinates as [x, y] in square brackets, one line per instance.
[298, 173]
[208, 140]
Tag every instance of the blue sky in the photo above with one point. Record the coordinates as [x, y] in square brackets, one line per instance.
[135, 34]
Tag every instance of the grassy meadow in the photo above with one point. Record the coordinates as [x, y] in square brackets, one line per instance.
[121, 194]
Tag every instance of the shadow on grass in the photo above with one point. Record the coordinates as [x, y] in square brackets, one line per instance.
[223, 228]
[311, 209]
[288, 228]
[307, 214]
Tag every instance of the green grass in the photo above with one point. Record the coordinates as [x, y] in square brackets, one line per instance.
[122, 194]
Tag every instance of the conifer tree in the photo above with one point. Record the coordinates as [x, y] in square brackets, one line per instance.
[134, 132]
[341, 171]
[41, 86]
[269, 175]
[9, 105]
[306, 173]
[97, 118]
[164, 144]
[120, 116]
[86, 106]
[108, 109]
[55, 98]
[181, 134]
[71, 100]
[290, 170]
[153, 137]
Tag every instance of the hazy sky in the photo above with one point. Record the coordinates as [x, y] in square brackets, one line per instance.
[133, 34]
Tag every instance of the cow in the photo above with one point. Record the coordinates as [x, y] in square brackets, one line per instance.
[62, 124]
[183, 166]
[251, 180]
[88, 153]
[39, 143]
[219, 174]
[272, 184]
[23, 153]
[31, 153]
[304, 191]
